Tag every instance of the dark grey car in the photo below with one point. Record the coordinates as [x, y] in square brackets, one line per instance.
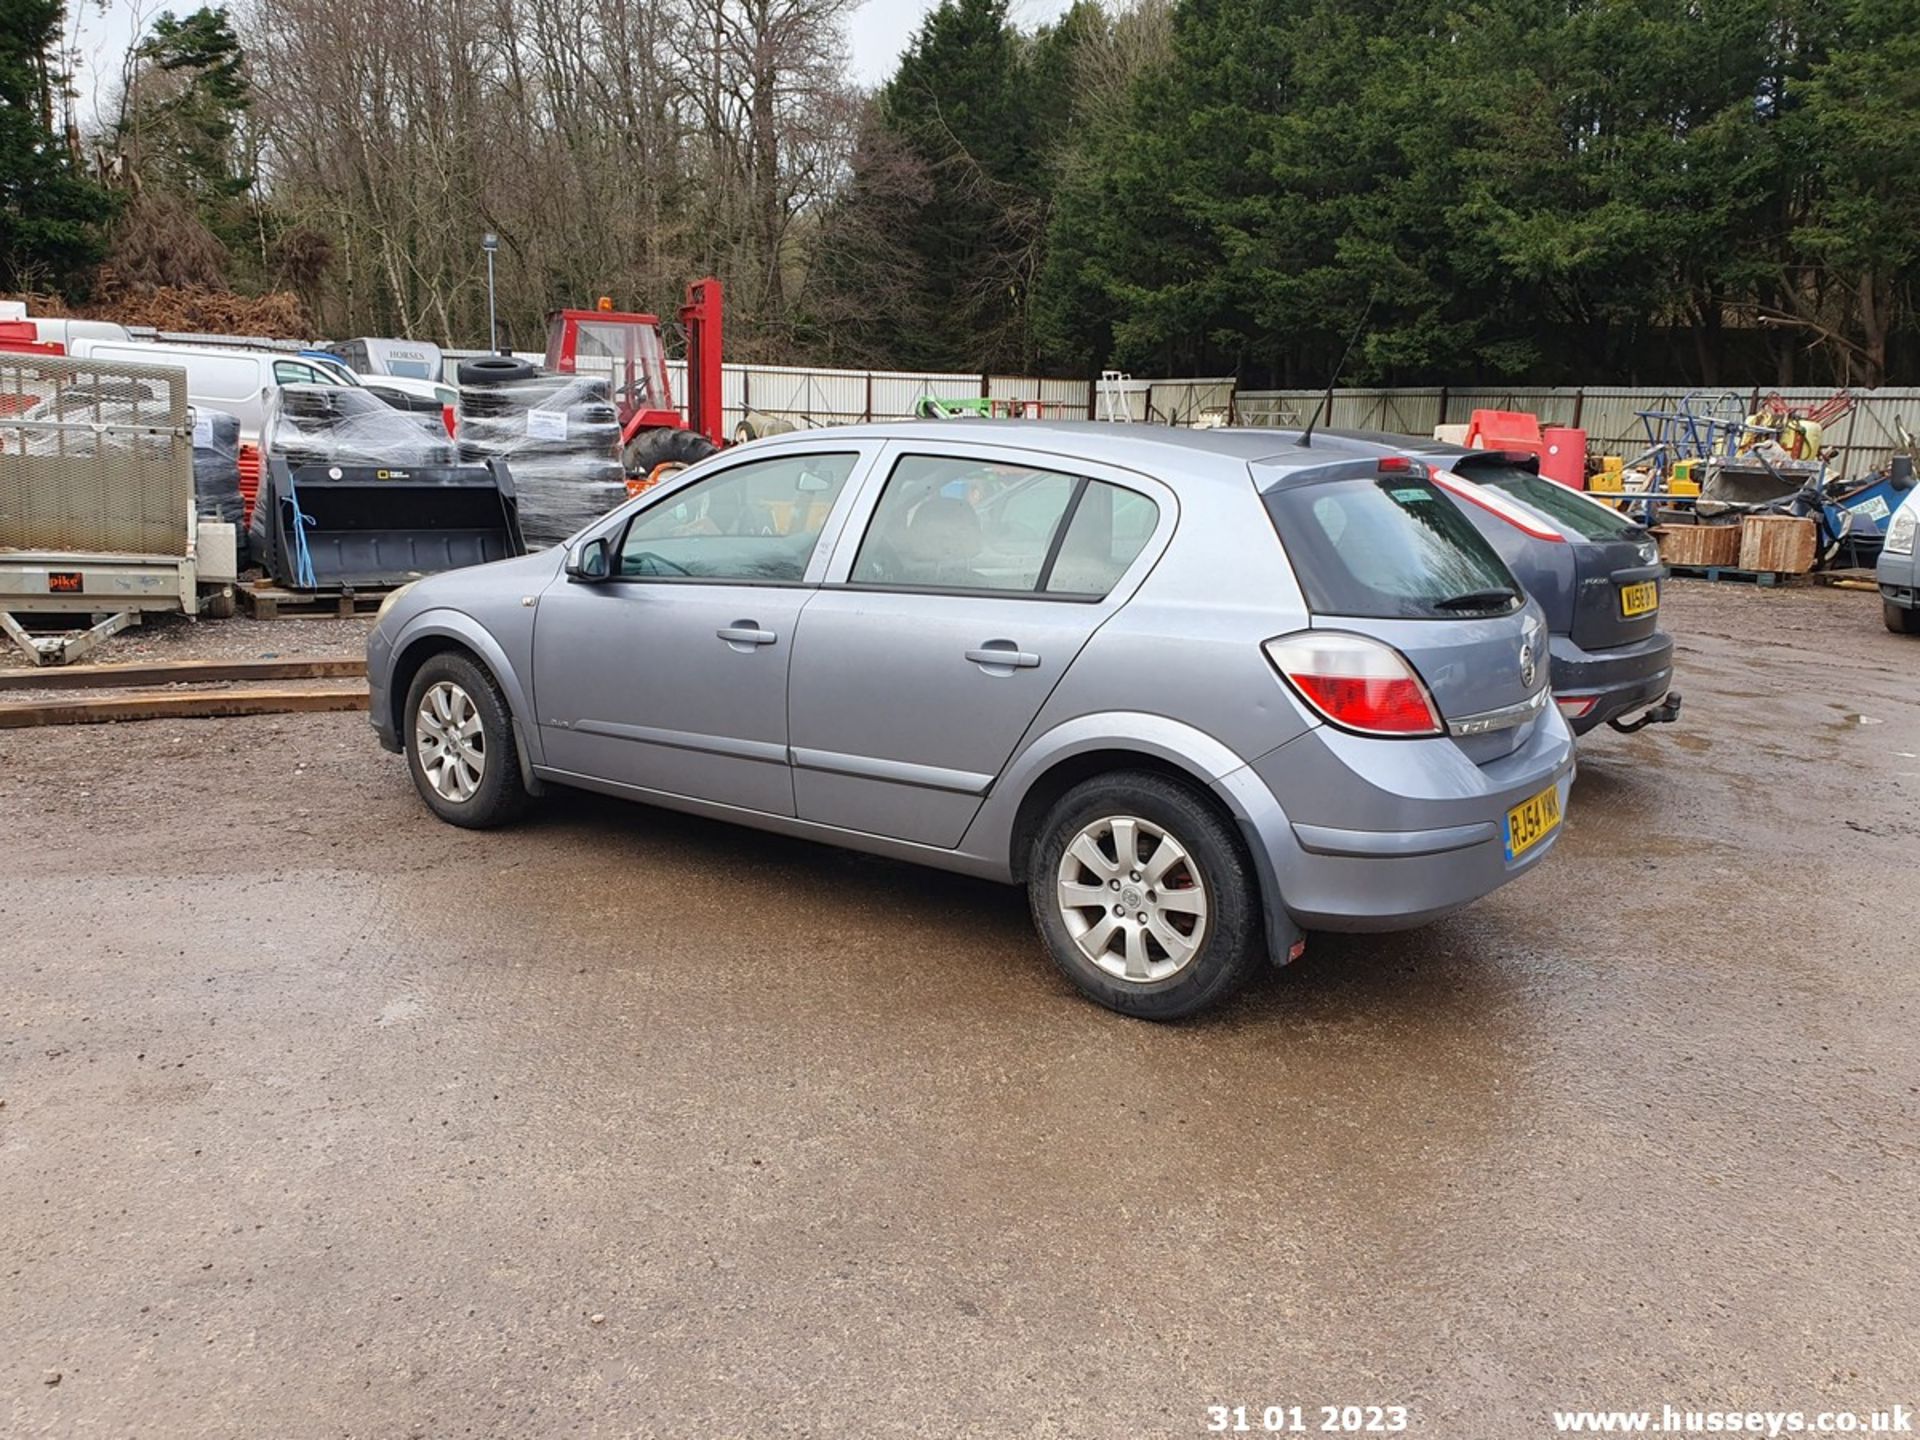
[1596, 574]
[1198, 691]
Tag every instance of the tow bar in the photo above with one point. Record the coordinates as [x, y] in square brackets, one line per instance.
[1665, 713]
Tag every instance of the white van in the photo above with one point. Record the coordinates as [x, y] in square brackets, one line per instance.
[236, 381]
[68, 332]
[406, 359]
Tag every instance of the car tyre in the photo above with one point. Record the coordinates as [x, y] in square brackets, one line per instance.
[485, 370]
[1900, 619]
[460, 745]
[1201, 938]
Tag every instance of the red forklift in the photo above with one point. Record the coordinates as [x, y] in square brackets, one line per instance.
[624, 348]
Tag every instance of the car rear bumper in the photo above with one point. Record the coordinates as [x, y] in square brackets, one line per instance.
[1363, 834]
[1619, 682]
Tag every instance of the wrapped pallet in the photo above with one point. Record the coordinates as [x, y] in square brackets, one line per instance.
[216, 466]
[344, 425]
[560, 437]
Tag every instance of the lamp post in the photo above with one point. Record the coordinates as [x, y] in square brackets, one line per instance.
[490, 242]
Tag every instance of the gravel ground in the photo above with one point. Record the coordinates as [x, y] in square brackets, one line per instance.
[320, 1118]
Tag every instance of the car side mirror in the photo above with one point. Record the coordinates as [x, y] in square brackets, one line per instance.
[1900, 472]
[590, 561]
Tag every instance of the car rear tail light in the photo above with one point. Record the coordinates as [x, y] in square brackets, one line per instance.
[1575, 707]
[447, 420]
[1356, 683]
[1495, 503]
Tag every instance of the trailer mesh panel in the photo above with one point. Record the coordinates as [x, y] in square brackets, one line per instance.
[95, 458]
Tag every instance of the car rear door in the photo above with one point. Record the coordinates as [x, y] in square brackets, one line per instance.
[1389, 556]
[670, 675]
[947, 619]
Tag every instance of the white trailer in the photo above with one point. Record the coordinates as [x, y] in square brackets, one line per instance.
[97, 513]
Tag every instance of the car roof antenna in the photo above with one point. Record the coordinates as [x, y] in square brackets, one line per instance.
[1326, 402]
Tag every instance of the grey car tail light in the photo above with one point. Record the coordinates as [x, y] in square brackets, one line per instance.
[1356, 683]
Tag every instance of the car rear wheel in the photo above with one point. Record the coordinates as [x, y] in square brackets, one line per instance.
[460, 747]
[1900, 619]
[1144, 896]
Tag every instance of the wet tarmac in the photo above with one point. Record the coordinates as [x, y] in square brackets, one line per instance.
[320, 1118]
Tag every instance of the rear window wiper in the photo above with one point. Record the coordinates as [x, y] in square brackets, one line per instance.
[1478, 600]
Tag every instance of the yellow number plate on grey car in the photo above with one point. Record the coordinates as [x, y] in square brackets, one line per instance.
[1531, 821]
[1640, 599]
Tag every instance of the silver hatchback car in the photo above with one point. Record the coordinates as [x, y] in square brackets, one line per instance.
[1199, 691]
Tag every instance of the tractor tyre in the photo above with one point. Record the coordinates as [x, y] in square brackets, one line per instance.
[655, 447]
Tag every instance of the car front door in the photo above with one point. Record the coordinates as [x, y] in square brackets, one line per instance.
[980, 575]
[670, 674]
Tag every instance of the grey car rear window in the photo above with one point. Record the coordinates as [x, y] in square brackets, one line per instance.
[1388, 547]
[1568, 508]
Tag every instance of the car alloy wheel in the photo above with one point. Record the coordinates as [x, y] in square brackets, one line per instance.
[451, 741]
[1132, 898]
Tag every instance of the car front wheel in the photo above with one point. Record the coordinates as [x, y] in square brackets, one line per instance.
[1144, 896]
[460, 746]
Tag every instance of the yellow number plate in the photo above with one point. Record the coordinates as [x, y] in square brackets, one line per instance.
[1640, 599]
[1531, 821]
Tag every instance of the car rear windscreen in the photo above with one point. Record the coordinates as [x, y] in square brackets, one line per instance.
[1568, 508]
[1388, 547]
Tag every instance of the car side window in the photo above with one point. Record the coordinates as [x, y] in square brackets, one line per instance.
[757, 522]
[292, 372]
[1110, 527]
[953, 523]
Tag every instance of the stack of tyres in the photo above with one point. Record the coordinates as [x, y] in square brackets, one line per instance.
[560, 437]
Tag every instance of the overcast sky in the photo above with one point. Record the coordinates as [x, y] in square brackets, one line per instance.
[879, 31]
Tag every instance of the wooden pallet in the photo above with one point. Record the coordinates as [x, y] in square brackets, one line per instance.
[270, 602]
[1766, 578]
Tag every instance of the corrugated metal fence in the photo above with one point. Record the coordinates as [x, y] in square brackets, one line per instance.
[809, 397]
[1610, 414]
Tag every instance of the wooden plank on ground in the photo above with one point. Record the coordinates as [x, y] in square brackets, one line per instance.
[186, 672]
[179, 704]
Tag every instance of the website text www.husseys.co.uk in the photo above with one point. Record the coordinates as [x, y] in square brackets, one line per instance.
[1669, 1420]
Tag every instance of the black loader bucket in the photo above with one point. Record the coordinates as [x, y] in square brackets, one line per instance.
[327, 526]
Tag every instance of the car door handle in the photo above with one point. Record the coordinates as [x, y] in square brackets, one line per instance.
[746, 632]
[1005, 654]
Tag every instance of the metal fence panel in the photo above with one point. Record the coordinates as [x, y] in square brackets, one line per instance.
[1611, 415]
[1553, 406]
[95, 457]
[1043, 398]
